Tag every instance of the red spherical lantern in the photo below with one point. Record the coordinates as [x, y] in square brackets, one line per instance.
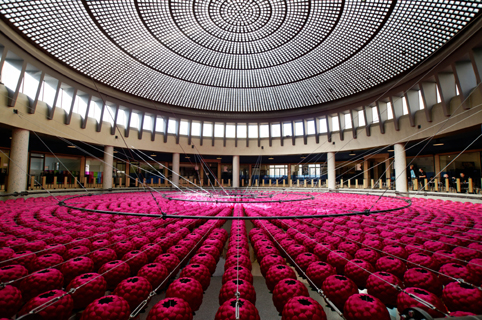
[229, 289]
[287, 289]
[107, 307]
[365, 307]
[90, 287]
[277, 273]
[247, 311]
[10, 301]
[199, 272]
[302, 307]
[134, 290]
[338, 289]
[58, 310]
[383, 285]
[114, 272]
[188, 289]
[171, 309]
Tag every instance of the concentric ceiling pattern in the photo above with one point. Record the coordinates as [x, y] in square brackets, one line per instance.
[240, 55]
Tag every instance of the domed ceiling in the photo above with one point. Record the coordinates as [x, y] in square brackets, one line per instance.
[240, 55]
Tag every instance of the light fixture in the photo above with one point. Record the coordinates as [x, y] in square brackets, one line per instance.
[188, 157]
[270, 158]
[71, 147]
[153, 155]
[352, 154]
[303, 157]
[219, 158]
[438, 144]
[115, 151]
[390, 150]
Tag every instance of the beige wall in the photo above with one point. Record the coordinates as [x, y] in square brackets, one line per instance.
[56, 127]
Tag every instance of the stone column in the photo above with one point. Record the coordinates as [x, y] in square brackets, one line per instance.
[331, 170]
[235, 171]
[400, 168]
[108, 167]
[18, 164]
[176, 158]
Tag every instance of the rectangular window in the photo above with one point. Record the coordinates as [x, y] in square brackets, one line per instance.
[29, 85]
[172, 126]
[287, 130]
[323, 126]
[208, 129]
[219, 130]
[404, 106]
[348, 121]
[361, 118]
[420, 99]
[241, 130]
[122, 117]
[95, 110]
[439, 99]
[159, 124]
[276, 130]
[389, 111]
[196, 129]
[230, 130]
[66, 101]
[298, 128]
[375, 115]
[253, 131]
[310, 127]
[335, 124]
[135, 118]
[264, 131]
[47, 94]
[147, 125]
[10, 75]
[184, 128]
[109, 113]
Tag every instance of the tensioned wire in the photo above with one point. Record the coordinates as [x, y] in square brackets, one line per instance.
[379, 250]
[54, 300]
[86, 254]
[398, 241]
[395, 286]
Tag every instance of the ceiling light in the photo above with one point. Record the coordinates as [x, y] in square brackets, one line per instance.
[270, 158]
[188, 157]
[438, 144]
[153, 155]
[219, 158]
[71, 147]
[115, 151]
[352, 154]
[390, 150]
[303, 157]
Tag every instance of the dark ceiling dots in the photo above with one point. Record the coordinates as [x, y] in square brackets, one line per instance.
[239, 55]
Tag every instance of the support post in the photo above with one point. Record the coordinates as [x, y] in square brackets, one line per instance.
[400, 168]
[176, 158]
[235, 171]
[331, 171]
[17, 180]
[108, 163]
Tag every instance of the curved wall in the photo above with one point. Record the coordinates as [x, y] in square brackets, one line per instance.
[460, 118]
